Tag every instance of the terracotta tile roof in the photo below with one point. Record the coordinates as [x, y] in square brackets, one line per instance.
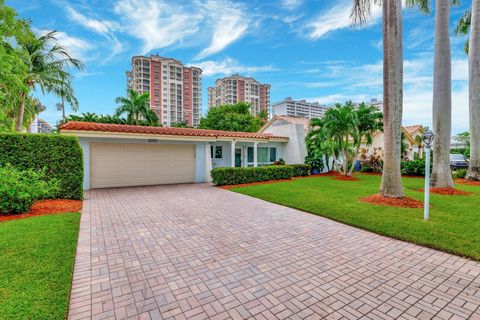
[122, 128]
[412, 129]
[295, 120]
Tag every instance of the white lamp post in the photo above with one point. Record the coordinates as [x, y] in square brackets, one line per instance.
[427, 139]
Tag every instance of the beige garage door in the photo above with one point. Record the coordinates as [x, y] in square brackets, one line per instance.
[122, 164]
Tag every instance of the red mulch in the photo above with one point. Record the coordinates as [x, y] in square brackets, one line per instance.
[346, 178]
[45, 207]
[405, 202]
[447, 191]
[467, 182]
[327, 174]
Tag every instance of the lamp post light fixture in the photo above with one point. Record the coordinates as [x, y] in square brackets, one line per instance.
[428, 137]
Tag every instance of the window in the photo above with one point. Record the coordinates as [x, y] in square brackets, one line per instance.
[216, 152]
[262, 155]
[250, 154]
[273, 154]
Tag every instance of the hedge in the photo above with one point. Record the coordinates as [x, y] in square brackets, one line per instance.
[301, 170]
[61, 157]
[229, 176]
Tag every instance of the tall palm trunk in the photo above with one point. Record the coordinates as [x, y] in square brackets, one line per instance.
[474, 96]
[442, 98]
[21, 112]
[391, 185]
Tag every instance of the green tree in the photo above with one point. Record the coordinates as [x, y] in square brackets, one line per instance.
[13, 33]
[230, 117]
[47, 64]
[462, 28]
[391, 185]
[137, 108]
[319, 145]
[180, 125]
[367, 121]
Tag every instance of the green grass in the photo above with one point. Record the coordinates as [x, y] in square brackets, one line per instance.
[36, 263]
[454, 220]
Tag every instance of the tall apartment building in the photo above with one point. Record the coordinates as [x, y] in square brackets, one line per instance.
[175, 90]
[298, 108]
[233, 89]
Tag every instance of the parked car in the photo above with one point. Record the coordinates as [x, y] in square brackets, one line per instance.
[458, 161]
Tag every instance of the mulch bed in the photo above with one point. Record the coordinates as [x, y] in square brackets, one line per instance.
[405, 202]
[467, 182]
[46, 207]
[447, 191]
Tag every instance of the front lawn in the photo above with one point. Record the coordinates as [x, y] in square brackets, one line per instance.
[36, 263]
[454, 220]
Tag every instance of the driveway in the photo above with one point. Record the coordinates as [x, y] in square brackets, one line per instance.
[200, 252]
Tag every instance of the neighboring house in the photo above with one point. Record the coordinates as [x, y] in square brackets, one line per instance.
[39, 126]
[295, 128]
[413, 138]
[124, 155]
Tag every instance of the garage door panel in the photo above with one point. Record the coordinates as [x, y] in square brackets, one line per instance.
[118, 164]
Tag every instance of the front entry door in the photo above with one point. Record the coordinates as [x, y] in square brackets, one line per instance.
[238, 157]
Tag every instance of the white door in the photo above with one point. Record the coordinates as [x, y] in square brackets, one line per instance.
[128, 164]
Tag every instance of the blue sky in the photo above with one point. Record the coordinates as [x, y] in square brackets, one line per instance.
[304, 49]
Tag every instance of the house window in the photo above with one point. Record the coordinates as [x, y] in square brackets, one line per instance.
[250, 154]
[216, 152]
[262, 155]
[273, 154]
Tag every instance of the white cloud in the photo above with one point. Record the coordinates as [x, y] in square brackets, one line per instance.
[157, 23]
[335, 18]
[105, 28]
[229, 66]
[78, 48]
[229, 24]
[291, 4]
[363, 82]
[99, 26]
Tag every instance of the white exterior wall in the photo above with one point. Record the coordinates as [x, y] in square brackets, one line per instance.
[295, 150]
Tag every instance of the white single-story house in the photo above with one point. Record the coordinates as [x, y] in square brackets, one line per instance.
[296, 129]
[124, 155]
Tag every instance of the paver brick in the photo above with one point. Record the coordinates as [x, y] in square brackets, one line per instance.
[200, 252]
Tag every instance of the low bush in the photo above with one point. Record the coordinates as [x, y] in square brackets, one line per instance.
[19, 189]
[413, 168]
[301, 170]
[229, 176]
[61, 157]
[367, 168]
[460, 173]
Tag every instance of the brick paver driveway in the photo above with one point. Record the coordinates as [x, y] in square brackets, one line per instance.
[199, 252]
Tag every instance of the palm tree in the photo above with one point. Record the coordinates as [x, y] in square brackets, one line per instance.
[340, 124]
[462, 28]
[367, 122]
[391, 185]
[442, 97]
[319, 143]
[474, 96]
[136, 107]
[47, 67]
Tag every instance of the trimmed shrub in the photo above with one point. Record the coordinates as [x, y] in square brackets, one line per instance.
[366, 168]
[460, 173]
[229, 176]
[20, 188]
[61, 157]
[413, 168]
[301, 170]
